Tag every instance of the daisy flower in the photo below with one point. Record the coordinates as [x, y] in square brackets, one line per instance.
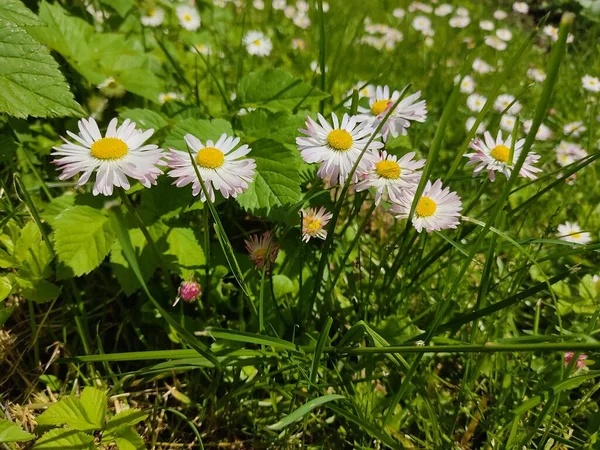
[471, 121]
[475, 102]
[418, 6]
[258, 4]
[398, 13]
[574, 129]
[504, 34]
[500, 15]
[168, 96]
[494, 155]
[459, 21]
[421, 23]
[503, 101]
[495, 42]
[220, 165]
[536, 74]
[443, 10]
[551, 31]
[337, 147]
[392, 176]
[486, 25]
[437, 209]
[258, 247]
[289, 11]
[301, 5]
[580, 361]
[570, 232]
[203, 49]
[408, 110]
[521, 7]
[467, 85]
[279, 4]
[543, 133]
[111, 88]
[569, 152]
[507, 123]
[298, 44]
[188, 17]
[114, 157]
[154, 17]
[480, 66]
[257, 43]
[590, 83]
[314, 222]
[301, 20]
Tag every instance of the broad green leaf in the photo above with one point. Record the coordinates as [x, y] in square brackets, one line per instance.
[77, 413]
[30, 82]
[38, 290]
[122, 7]
[5, 314]
[303, 411]
[82, 237]
[277, 90]
[282, 285]
[186, 250]
[5, 287]
[159, 202]
[65, 439]
[279, 126]
[202, 129]
[277, 181]
[129, 439]
[126, 418]
[145, 118]
[16, 12]
[11, 432]
[94, 403]
[56, 207]
[34, 254]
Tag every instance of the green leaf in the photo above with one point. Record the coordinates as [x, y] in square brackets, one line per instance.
[202, 129]
[303, 411]
[276, 90]
[11, 432]
[38, 290]
[279, 126]
[184, 247]
[83, 237]
[122, 7]
[5, 287]
[8, 148]
[277, 182]
[30, 82]
[126, 418]
[16, 12]
[65, 439]
[5, 314]
[56, 207]
[129, 439]
[145, 118]
[83, 414]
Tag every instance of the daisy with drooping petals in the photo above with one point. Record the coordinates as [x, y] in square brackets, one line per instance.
[262, 249]
[314, 222]
[580, 360]
[408, 110]
[338, 147]
[257, 43]
[154, 17]
[392, 176]
[571, 232]
[188, 17]
[437, 209]
[494, 155]
[590, 83]
[116, 156]
[220, 165]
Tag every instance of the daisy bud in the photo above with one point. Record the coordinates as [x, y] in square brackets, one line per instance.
[580, 361]
[189, 291]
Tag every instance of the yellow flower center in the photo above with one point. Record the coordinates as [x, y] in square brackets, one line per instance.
[260, 252]
[312, 225]
[388, 169]
[152, 12]
[379, 106]
[339, 140]
[256, 42]
[500, 153]
[576, 235]
[210, 158]
[187, 18]
[426, 207]
[109, 148]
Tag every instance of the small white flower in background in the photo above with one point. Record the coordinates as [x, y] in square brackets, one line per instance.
[298, 44]
[316, 67]
[188, 17]
[475, 102]
[495, 42]
[111, 88]
[429, 41]
[467, 84]
[502, 102]
[325, 7]
[462, 12]
[507, 123]
[504, 34]
[459, 22]
[203, 49]
[437, 209]
[279, 4]
[313, 223]
[443, 10]
[114, 157]
[471, 121]
[571, 232]
[220, 3]
[338, 147]
[169, 96]
[289, 11]
[244, 111]
[97, 14]
[221, 166]
[536, 74]
[392, 176]
[154, 17]
[257, 43]
[500, 15]
[569, 152]
[543, 134]
[486, 25]
[574, 129]
[480, 66]
[364, 90]
[399, 13]
[258, 4]
[421, 23]
[521, 7]
[590, 83]
[551, 31]
[301, 5]
[301, 20]
[570, 38]
[409, 109]
[418, 6]
[493, 155]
